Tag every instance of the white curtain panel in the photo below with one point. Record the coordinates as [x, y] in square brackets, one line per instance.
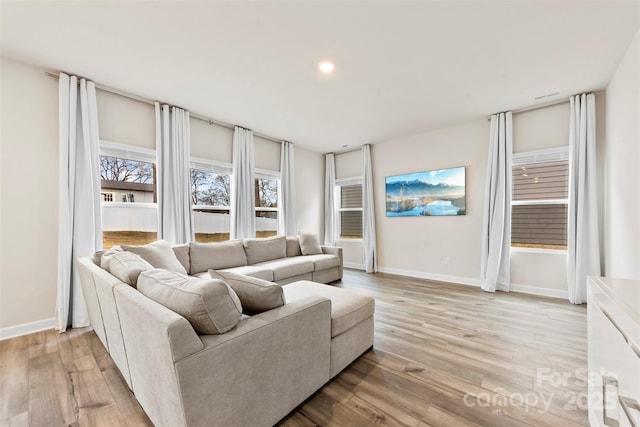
[496, 230]
[80, 227]
[287, 194]
[173, 147]
[368, 213]
[583, 246]
[329, 200]
[243, 216]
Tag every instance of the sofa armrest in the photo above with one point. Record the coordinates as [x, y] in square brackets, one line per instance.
[155, 338]
[334, 250]
[258, 372]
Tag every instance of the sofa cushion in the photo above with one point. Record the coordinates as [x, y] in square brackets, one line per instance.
[265, 249]
[287, 267]
[309, 244]
[347, 308]
[106, 257]
[127, 266]
[159, 254]
[323, 261]
[253, 271]
[256, 295]
[293, 246]
[247, 270]
[216, 255]
[182, 253]
[211, 306]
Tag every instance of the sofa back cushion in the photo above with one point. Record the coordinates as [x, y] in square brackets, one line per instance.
[127, 266]
[293, 246]
[265, 249]
[211, 306]
[216, 255]
[256, 295]
[159, 254]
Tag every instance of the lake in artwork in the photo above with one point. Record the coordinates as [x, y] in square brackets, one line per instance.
[430, 193]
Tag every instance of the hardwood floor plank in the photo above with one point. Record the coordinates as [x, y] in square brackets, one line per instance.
[14, 377]
[50, 401]
[129, 408]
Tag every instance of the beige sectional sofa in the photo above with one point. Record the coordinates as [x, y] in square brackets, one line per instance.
[252, 375]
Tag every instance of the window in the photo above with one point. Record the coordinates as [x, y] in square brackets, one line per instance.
[349, 202]
[210, 199]
[266, 204]
[539, 204]
[128, 194]
[106, 197]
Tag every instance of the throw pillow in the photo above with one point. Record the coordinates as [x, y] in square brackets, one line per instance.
[309, 244]
[106, 257]
[210, 306]
[265, 249]
[256, 295]
[127, 266]
[159, 254]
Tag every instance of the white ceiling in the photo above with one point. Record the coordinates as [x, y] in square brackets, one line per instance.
[401, 67]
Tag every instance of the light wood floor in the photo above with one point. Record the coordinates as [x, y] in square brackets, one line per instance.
[444, 355]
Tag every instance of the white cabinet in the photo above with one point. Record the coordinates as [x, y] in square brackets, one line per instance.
[614, 352]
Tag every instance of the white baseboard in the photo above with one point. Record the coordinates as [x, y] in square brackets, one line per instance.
[525, 289]
[431, 276]
[353, 265]
[543, 292]
[26, 328]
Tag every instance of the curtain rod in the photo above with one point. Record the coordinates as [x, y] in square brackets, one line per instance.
[537, 107]
[548, 104]
[152, 102]
[346, 150]
[541, 106]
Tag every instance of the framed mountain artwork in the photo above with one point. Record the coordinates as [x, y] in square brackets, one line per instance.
[430, 193]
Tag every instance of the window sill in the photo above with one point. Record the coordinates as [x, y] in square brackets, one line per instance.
[129, 204]
[343, 239]
[539, 250]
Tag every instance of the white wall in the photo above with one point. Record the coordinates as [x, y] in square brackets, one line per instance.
[348, 164]
[267, 154]
[211, 141]
[622, 158]
[126, 121]
[28, 195]
[418, 246]
[309, 172]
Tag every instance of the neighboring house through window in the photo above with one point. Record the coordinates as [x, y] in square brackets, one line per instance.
[540, 199]
[349, 208]
[128, 194]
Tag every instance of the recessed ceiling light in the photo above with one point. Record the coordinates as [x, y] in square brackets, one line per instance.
[326, 67]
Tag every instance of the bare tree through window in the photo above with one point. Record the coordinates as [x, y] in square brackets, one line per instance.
[266, 193]
[210, 189]
[125, 170]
